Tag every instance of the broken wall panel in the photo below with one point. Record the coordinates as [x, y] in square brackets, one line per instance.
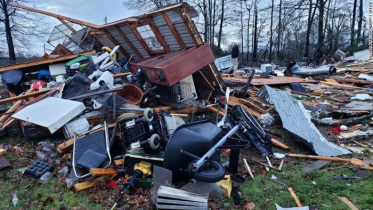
[296, 120]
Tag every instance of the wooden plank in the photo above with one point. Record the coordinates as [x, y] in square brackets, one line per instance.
[236, 101]
[119, 163]
[87, 184]
[139, 38]
[121, 75]
[249, 103]
[191, 25]
[115, 42]
[349, 204]
[67, 25]
[279, 144]
[2, 151]
[173, 30]
[103, 171]
[129, 43]
[158, 35]
[44, 61]
[315, 165]
[292, 193]
[215, 110]
[23, 97]
[188, 28]
[55, 15]
[259, 81]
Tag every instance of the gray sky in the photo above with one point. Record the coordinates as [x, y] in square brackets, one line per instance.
[93, 11]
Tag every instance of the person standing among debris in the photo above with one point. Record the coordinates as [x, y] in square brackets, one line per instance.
[234, 56]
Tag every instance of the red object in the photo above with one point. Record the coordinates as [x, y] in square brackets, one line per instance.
[336, 130]
[133, 69]
[249, 206]
[111, 184]
[37, 84]
[170, 68]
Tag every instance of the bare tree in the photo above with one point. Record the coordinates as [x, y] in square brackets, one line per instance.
[20, 27]
[271, 32]
[140, 5]
[352, 45]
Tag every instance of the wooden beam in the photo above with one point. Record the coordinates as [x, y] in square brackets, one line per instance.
[44, 61]
[87, 184]
[279, 144]
[173, 30]
[111, 38]
[2, 151]
[158, 35]
[139, 38]
[129, 43]
[22, 97]
[119, 163]
[103, 171]
[192, 26]
[96, 33]
[54, 15]
[67, 25]
[188, 28]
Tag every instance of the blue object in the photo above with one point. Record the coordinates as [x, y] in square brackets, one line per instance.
[43, 74]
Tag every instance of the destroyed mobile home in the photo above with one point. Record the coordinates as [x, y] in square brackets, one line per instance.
[159, 114]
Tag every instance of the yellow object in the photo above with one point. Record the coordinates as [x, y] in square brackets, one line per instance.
[145, 167]
[226, 185]
[109, 50]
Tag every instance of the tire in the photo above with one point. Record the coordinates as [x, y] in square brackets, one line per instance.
[126, 117]
[154, 141]
[214, 173]
[148, 115]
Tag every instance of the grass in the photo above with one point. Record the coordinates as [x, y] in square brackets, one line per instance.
[318, 188]
[324, 192]
[30, 192]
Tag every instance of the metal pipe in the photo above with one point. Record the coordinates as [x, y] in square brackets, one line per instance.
[209, 153]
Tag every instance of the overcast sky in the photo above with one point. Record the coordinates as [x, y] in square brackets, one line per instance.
[93, 11]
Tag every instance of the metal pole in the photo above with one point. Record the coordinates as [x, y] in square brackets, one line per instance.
[209, 153]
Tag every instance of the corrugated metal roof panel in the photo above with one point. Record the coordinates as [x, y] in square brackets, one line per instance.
[295, 119]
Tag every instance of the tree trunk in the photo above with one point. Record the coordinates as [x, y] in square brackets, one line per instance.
[321, 24]
[352, 46]
[270, 30]
[279, 30]
[8, 31]
[241, 33]
[255, 33]
[359, 24]
[205, 20]
[213, 25]
[221, 24]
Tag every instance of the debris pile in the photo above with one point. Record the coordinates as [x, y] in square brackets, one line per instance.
[168, 126]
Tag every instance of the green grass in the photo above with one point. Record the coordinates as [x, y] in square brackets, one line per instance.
[324, 193]
[31, 193]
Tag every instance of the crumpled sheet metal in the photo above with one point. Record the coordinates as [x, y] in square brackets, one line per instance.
[296, 120]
